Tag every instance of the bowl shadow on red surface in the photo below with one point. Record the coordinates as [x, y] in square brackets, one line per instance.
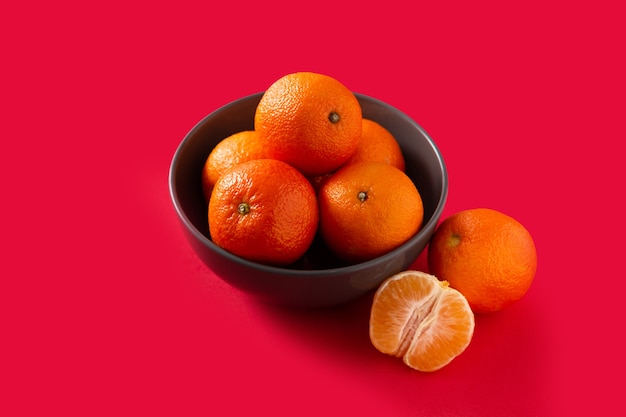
[342, 329]
[503, 347]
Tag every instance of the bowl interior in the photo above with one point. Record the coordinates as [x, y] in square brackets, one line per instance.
[424, 164]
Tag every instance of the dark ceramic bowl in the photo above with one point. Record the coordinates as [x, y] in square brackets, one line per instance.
[318, 279]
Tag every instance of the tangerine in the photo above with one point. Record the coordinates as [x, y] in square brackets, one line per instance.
[318, 181]
[312, 121]
[421, 319]
[230, 151]
[264, 211]
[487, 255]
[378, 144]
[368, 209]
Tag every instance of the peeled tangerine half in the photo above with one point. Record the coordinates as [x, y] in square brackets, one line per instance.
[419, 318]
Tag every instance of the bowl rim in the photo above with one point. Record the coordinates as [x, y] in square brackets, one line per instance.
[304, 273]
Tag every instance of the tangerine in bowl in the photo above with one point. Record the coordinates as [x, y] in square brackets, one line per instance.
[319, 278]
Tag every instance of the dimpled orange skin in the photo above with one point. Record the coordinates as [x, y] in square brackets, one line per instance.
[486, 255]
[264, 211]
[378, 144]
[368, 209]
[234, 149]
[310, 120]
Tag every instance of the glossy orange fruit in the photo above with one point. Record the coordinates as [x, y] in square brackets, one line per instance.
[421, 319]
[368, 209]
[230, 151]
[379, 145]
[264, 211]
[318, 181]
[485, 254]
[312, 121]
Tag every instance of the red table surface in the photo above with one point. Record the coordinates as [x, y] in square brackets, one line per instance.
[105, 309]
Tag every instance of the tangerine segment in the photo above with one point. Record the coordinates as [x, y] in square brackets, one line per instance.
[421, 319]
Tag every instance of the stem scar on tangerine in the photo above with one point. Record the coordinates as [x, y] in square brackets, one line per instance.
[333, 117]
[243, 208]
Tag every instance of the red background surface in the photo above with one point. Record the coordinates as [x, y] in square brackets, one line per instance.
[105, 310]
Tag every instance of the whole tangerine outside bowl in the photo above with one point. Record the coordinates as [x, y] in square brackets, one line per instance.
[318, 280]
